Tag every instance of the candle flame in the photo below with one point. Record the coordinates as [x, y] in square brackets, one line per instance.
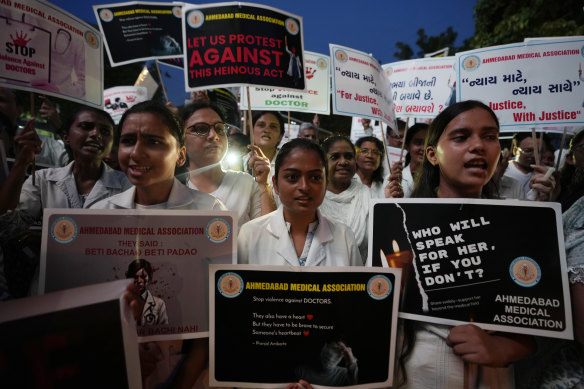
[395, 246]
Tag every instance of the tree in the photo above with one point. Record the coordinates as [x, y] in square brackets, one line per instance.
[499, 22]
[428, 44]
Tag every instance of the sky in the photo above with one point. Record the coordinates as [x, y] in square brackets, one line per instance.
[372, 26]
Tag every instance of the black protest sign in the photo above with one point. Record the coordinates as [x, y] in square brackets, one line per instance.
[499, 264]
[138, 31]
[240, 43]
[271, 325]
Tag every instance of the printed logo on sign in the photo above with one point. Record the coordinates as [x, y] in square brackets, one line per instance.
[525, 272]
[106, 15]
[91, 39]
[341, 55]
[379, 287]
[388, 71]
[291, 26]
[230, 285]
[177, 11]
[471, 63]
[321, 63]
[64, 230]
[218, 230]
[195, 19]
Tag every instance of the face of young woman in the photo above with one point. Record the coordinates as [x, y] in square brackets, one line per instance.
[341, 164]
[369, 157]
[141, 280]
[209, 149]
[467, 153]
[148, 153]
[266, 132]
[90, 137]
[301, 182]
[416, 148]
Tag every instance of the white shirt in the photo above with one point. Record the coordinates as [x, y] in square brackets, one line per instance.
[523, 178]
[266, 241]
[239, 192]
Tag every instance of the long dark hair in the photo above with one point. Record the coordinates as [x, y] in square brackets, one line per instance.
[429, 177]
[378, 173]
[412, 131]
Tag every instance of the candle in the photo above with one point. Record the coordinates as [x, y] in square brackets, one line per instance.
[399, 259]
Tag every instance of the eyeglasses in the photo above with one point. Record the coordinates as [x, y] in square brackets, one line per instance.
[526, 151]
[203, 129]
[373, 152]
[395, 136]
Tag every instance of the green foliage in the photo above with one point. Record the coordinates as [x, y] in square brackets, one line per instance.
[499, 22]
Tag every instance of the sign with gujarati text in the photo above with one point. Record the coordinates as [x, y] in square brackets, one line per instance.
[233, 44]
[421, 87]
[120, 98]
[283, 319]
[315, 99]
[49, 51]
[360, 87]
[478, 261]
[140, 30]
[81, 247]
[62, 338]
[536, 83]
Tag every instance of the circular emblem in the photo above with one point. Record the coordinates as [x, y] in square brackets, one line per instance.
[218, 230]
[341, 55]
[106, 15]
[379, 287]
[388, 71]
[91, 39]
[64, 230]
[177, 11]
[195, 19]
[471, 63]
[291, 26]
[230, 285]
[525, 272]
[321, 63]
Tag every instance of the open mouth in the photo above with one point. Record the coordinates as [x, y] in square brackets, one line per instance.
[476, 164]
[140, 169]
[93, 145]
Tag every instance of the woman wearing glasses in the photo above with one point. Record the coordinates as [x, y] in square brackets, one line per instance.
[206, 146]
[369, 167]
[152, 146]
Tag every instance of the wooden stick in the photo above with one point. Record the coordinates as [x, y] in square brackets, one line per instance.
[385, 143]
[288, 135]
[401, 153]
[32, 111]
[250, 124]
[535, 146]
[561, 148]
[161, 80]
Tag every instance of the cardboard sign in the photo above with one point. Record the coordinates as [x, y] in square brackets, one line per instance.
[480, 261]
[284, 319]
[229, 44]
[49, 51]
[140, 30]
[82, 247]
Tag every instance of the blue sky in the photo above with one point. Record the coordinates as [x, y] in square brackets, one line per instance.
[372, 26]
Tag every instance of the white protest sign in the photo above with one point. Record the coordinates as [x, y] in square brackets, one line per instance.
[526, 84]
[47, 50]
[120, 98]
[421, 87]
[360, 87]
[358, 131]
[315, 99]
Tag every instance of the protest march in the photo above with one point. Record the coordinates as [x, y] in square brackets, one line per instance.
[433, 240]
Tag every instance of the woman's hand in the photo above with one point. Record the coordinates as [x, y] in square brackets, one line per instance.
[299, 385]
[475, 345]
[260, 165]
[27, 144]
[394, 190]
[543, 183]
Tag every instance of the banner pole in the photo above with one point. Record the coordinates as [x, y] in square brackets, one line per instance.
[535, 146]
[401, 153]
[161, 80]
[561, 148]
[32, 114]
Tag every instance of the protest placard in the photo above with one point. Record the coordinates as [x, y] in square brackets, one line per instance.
[121, 98]
[136, 31]
[270, 325]
[229, 44]
[81, 247]
[64, 339]
[50, 51]
[534, 83]
[315, 99]
[360, 87]
[479, 261]
[421, 87]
